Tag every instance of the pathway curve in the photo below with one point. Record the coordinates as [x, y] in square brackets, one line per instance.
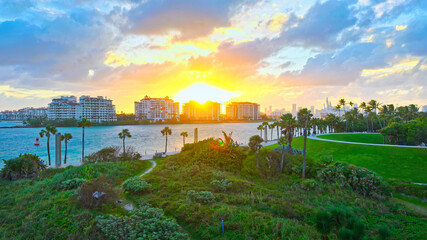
[357, 143]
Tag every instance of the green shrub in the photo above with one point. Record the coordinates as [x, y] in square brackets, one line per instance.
[344, 223]
[203, 197]
[144, 222]
[221, 185]
[384, 232]
[113, 154]
[308, 184]
[72, 183]
[361, 180]
[24, 166]
[135, 185]
[102, 186]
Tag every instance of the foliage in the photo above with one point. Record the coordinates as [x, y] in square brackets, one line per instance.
[24, 166]
[113, 154]
[289, 150]
[345, 224]
[308, 184]
[411, 133]
[144, 222]
[210, 152]
[361, 180]
[135, 185]
[72, 183]
[203, 197]
[221, 185]
[103, 187]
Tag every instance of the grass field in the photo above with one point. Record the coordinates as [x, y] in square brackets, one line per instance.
[408, 164]
[356, 137]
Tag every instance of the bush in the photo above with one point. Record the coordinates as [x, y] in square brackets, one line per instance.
[363, 181]
[203, 197]
[135, 185]
[308, 184]
[113, 154]
[72, 183]
[144, 222]
[102, 186]
[221, 185]
[345, 224]
[24, 166]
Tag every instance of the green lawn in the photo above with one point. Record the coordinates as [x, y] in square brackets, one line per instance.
[409, 164]
[356, 137]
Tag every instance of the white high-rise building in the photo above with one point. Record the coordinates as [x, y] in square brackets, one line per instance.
[64, 107]
[96, 109]
[156, 109]
[243, 111]
[24, 114]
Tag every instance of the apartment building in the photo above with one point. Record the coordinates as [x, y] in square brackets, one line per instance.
[209, 111]
[156, 109]
[23, 114]
[243, 111]
[64, 107]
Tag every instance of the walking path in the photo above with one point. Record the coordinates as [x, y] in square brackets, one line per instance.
[370, 144]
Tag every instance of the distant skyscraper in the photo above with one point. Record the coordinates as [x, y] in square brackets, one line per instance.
[156, 109]
[294, 109]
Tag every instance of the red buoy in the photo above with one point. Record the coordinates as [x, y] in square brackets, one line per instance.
[37, 142]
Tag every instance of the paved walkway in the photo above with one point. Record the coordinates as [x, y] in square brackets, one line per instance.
[370, 144]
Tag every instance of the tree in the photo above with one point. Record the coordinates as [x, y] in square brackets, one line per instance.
[264, 127]
[48, 131]
[123, 135]
[282, 142]
[184, 135]
[227, 139]
[66, 137]
[83, 124]
[338, 108]
[342, 102]
[255, 145]
[272, 126]
[260, 128]
[165, 132]
[304, 116]
[288, 124]
[374, 104]
[364, 107]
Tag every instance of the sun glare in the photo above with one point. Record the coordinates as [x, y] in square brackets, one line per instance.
[201, 92]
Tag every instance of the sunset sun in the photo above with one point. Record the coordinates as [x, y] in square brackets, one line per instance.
[202, 92]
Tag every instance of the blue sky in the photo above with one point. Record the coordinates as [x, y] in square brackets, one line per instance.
[272, 52]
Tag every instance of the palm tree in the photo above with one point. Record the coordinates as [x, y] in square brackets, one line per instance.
[184, 135]
[255, 145]
[260, 128]
[374, 104]
[66, 137]
[342, 102]
[288, 124]
[338, 108]
[83, 124]
[264, 127]
[364, 107]
[227, 139]
[49, 130]
[277, 124]
[272, 126]
[166, 131]
[123, 135]
[282, 142]
[304, 116]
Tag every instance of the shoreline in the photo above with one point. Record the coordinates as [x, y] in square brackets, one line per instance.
[144, 124]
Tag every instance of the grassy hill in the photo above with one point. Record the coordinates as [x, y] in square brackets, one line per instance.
[408, 164]
[356, 137]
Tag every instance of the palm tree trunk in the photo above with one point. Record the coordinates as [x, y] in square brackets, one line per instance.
[124, 146]
[166, 145]
[48, 150]
[367, 123]
[183, 141]
[65, 157]
[282, 159]
[83, 144]
[257, 158]
[305, 150]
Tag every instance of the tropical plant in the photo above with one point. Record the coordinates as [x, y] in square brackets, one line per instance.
[227, 139]
[184, 135]
[255, 145]
[260, 128]
[288, 124]
[83, 124]
[123, 135]
[265, 127]
[66, 137]
[304, 116]
[165, 132]
[342, 103]
[135, 185]
[24, 166]
[48, 131]
[282, 142]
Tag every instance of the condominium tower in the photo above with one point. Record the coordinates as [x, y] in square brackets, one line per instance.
[209, 111]
[156, 109]
[243, 111]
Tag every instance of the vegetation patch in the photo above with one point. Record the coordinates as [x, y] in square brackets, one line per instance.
[136, 185]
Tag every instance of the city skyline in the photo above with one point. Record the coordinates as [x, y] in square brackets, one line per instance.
[270, 52]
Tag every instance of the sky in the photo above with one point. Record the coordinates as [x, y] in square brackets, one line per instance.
[273, 52]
